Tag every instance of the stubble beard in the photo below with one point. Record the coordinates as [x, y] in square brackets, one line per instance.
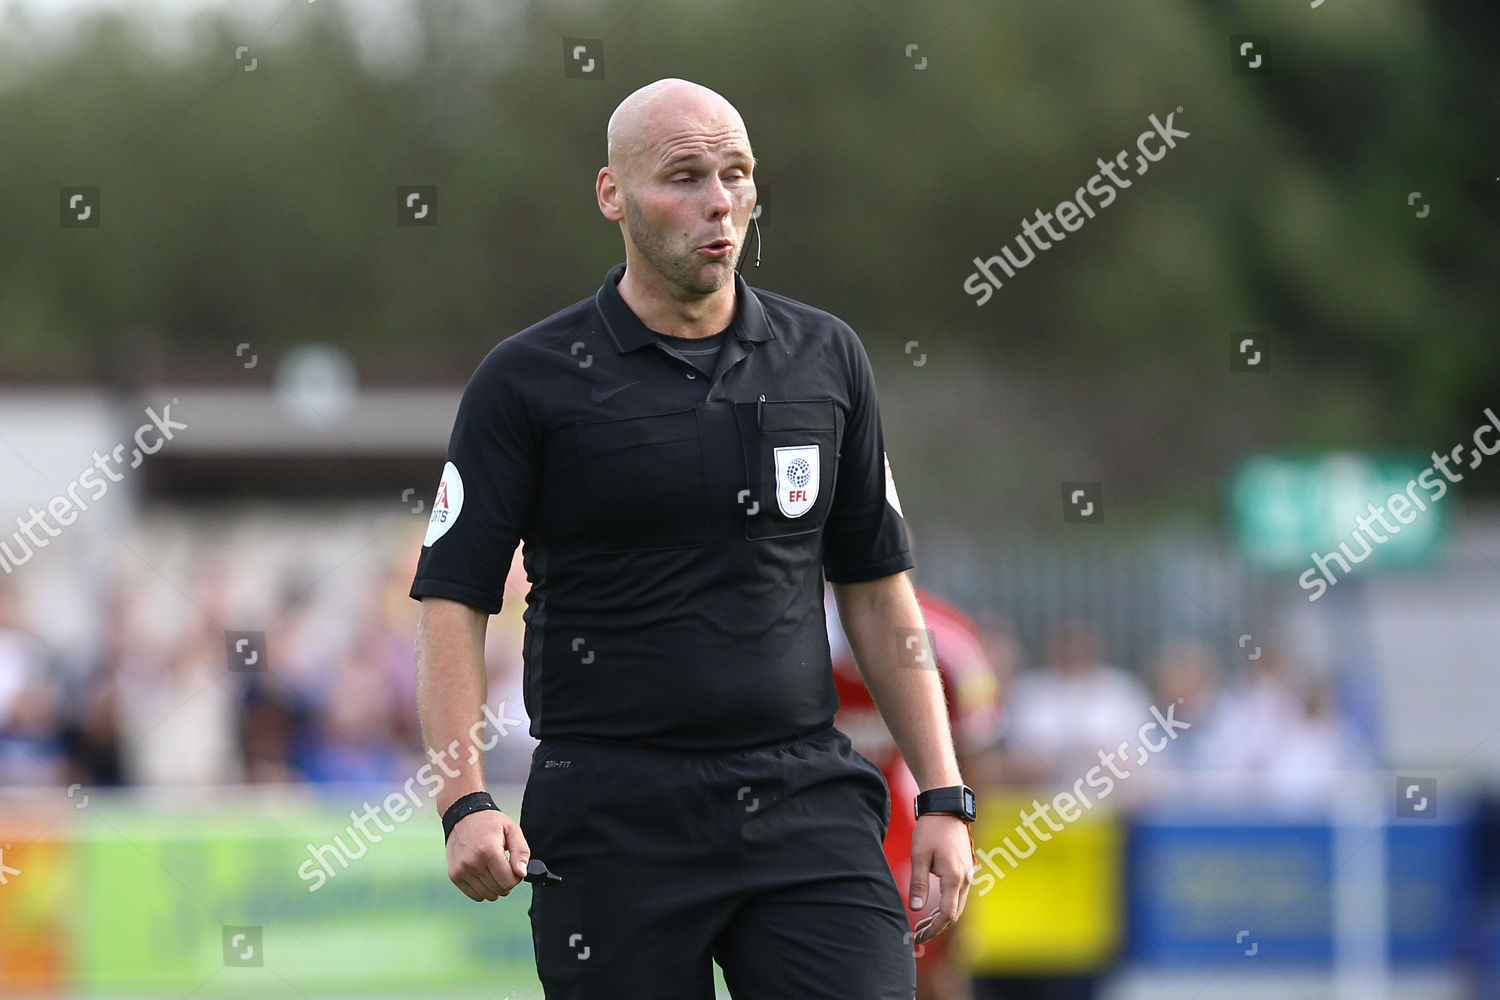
[688, 271]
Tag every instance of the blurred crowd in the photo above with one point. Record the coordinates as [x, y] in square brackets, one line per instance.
[1258, 730]
[158, 703]
[170, 703]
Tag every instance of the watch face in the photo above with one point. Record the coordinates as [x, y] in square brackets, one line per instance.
[969, 801]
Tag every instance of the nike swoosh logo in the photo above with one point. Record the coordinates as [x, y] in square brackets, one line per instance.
[600, 397]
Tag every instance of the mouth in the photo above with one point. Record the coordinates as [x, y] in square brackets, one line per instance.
[718, 248]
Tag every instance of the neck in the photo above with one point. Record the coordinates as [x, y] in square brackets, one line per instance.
[663, 307]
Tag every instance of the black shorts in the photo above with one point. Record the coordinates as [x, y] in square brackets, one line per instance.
[767, 861]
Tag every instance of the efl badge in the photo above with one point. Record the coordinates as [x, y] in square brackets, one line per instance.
[447, 504]
[796, 478]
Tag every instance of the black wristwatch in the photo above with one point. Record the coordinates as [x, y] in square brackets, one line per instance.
[956, 800]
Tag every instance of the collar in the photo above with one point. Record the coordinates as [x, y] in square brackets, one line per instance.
[629, 333]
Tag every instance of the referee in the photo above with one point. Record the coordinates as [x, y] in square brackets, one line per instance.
[685, 458]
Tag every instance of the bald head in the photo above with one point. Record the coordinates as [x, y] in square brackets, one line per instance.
[643, 128]
[679, 184]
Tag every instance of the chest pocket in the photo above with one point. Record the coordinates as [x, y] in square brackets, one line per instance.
[645, 482]
[791, 459]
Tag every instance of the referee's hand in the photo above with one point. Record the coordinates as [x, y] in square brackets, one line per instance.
[941, 846]
[476, 855]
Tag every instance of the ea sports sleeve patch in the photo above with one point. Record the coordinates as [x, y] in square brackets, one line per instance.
[446, 506]
[890, 486]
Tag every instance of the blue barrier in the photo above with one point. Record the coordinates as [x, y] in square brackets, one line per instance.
[1207, 889]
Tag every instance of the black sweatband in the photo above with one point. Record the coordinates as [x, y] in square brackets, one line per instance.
[472, 803]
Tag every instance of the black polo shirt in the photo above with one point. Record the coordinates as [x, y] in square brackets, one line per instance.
[676, 527]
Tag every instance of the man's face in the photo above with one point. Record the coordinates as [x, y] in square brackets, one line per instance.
[687, 206]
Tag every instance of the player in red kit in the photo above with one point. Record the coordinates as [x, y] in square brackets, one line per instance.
[973, 695]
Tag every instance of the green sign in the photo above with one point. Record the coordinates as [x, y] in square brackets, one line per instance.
[1384, 510]
[138, 898]
[181, 900]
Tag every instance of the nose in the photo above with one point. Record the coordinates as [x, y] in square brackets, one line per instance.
[720, 201]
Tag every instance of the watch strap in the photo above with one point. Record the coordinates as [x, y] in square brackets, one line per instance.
[463, 806]
[956, 800]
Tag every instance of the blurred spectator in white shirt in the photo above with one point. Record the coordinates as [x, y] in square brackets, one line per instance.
[1065, 713]
[1271, 741]
[179, 703]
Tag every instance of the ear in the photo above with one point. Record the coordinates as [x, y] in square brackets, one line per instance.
[611, 198]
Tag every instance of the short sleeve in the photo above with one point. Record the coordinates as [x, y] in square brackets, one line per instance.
[485, 498]
[864, 537]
